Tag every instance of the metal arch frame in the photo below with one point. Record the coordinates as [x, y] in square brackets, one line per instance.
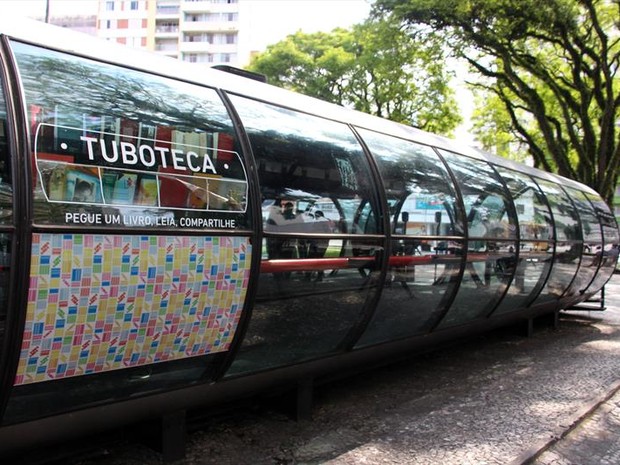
[512, 212]
[254, 208]
[543, 283]
[600, 263]
[462, 214]
[371, 305]
[558, 301]
[21, 231]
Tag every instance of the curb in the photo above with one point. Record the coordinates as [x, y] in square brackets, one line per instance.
[528, 456]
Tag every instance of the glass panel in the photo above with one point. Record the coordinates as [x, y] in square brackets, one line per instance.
[6, 183]
[316, 277]
[114, 315]
[611, 240]
[488, 272]
[305, 307]
[569, 245]
[6, 213]
[418, 188]
[134, 150]
[535, 221]
[592, 242]
[308, 164]
[488, 205]
[418, 290]
[33, 401]
[422, 273]
[491, 250]
[535, 228]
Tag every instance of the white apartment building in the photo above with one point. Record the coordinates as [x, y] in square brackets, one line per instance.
[198, 31]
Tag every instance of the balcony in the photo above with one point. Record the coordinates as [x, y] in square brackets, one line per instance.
[168, 10]
[210, 26]
[206, 47]
[167, 28]
[206, 6]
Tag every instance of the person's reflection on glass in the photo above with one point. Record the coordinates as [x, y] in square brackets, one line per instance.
[288, 211]
[318, 247]
[281, 213]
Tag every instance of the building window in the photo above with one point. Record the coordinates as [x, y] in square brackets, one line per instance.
[196, 18]
[167, 27]
[134, 5]
[167, 9]
[199, 57]
[109, 6]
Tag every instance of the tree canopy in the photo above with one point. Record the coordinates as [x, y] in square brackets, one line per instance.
[553, 66]
[375, 67]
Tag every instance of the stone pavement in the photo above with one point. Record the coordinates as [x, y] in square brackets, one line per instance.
[497, 399]
[595, 439]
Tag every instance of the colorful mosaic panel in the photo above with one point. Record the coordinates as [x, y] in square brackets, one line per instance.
[105, 302]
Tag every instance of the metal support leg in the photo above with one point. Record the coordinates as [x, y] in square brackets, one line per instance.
[303, 409]
[529, 327]
[172, 439]
[556, 320]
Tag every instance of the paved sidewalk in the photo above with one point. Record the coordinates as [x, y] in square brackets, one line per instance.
[498, 399]
[594, 437]
[595, 440]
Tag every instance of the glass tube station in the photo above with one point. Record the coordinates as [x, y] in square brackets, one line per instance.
[173, 236]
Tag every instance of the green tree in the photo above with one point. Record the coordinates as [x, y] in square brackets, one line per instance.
[552, 64]
[375, 67]
[492, 127]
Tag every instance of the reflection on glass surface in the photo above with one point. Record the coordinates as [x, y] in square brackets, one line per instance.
[158, 147]
[568, 246]
[33, 401]
[491, 258]
[318, 272]
[118, 148]
[313, 174]
[418, 290]
[488, 272]
[5, 268]
[6, 185]
[423, 273]
[592, 242]
[418, 189]
[306, 307]
[607, 260]
[488, 207]
[6, 213]
[536, 248]
[535, 221]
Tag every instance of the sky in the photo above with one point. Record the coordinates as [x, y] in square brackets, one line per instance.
[36, 8]
[275, 19]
